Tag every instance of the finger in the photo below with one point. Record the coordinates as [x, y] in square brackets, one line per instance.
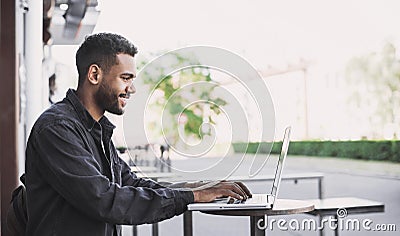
[230, 200]
[239, 190]
[231, 193]
[245, 189]
[232, 186]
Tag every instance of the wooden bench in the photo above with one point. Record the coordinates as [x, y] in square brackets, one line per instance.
[324, 206]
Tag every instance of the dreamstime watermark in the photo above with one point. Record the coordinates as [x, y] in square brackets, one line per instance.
[339, 222]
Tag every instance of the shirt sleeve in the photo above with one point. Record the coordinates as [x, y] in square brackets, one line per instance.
[129, 178]
[70, 168]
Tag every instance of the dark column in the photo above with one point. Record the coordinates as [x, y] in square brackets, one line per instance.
[188, 223]
[8, 108]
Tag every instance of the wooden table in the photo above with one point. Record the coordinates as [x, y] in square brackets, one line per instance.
[187, 216]
[347, 205]
[257, 216]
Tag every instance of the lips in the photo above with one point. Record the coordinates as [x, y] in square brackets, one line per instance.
[123, 97]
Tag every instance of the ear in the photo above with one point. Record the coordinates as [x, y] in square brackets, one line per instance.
[94, 74]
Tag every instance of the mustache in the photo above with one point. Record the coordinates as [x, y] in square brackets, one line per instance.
[125, 95]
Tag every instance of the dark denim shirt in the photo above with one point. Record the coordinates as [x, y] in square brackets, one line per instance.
[77, 184]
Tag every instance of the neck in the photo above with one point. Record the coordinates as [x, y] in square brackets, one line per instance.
[89, 102]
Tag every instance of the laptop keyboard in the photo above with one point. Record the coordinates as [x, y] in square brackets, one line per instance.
[254, 199]
[235, 201]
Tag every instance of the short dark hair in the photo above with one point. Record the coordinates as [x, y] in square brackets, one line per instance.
[101, 49]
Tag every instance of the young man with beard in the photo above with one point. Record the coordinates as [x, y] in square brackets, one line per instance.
[76, 183]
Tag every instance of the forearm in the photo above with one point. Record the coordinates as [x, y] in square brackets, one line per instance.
[183, 185]
[138, 205]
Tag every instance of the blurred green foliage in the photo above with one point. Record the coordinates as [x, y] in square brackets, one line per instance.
[365, 150]
[374, 83]
[188, 109]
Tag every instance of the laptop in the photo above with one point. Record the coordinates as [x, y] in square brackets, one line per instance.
[258, 201]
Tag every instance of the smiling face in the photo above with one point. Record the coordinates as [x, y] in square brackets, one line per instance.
[116, 86]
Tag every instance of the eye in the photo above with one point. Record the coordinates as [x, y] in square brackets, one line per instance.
[127, 77]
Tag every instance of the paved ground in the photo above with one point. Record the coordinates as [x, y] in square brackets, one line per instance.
[379, 181]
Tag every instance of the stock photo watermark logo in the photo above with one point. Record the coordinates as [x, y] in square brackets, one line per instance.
[197, 101]
[339, 222]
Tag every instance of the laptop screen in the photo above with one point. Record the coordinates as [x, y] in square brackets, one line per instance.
[279, 167]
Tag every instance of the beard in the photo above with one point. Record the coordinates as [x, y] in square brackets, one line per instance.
[108, 99]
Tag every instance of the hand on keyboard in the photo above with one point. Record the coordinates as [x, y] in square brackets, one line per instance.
[232, 200]
[211, 191]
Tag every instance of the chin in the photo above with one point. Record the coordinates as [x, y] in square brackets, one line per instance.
[121, 112]
[116, 111]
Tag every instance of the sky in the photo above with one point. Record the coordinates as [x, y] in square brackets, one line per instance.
[268, 34]
[263, 31]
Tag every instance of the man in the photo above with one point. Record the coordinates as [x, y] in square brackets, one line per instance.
[76, 183]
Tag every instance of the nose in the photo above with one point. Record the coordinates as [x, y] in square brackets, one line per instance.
[131, 89]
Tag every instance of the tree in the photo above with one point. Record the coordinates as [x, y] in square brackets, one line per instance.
[184, 100]
[375, 83]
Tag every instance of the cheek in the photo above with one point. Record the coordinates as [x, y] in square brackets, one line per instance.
[107, 92]
[110, 87]
[118, 85]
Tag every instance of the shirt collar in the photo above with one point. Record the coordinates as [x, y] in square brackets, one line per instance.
[84, 115]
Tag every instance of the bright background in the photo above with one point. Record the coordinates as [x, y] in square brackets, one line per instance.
[273, 36]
